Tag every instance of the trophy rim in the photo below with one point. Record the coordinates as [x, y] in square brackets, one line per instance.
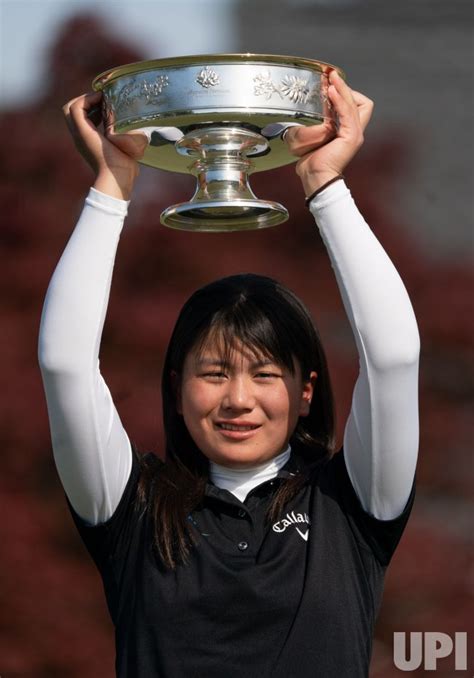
[104, 78]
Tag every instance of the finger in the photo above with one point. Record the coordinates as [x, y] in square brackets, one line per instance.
[67, 115]
[303, 139]
[365, 108]
[355, 100]
[83, 131]
[354, 109]
[87, 102]
[342, 87]
[89, 99]
[79, 110]
[346, 110]
[68, 105]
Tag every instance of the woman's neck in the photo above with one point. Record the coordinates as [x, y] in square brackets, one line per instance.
[240, 481]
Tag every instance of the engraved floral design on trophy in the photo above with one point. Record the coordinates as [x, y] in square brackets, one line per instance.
[147, 90]
[264, 85]
[295, 88]
[208, 78]
[292, 87]
[123, 98]
[153, 89]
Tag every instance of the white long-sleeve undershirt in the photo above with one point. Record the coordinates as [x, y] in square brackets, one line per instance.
[91, 448]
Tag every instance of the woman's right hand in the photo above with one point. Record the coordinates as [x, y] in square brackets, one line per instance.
[114, 163]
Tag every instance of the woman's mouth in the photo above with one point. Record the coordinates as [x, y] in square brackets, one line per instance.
[237, 427]
[237, 431]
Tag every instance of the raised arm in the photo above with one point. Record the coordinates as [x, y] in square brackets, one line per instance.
[381, 435]
[91, 448]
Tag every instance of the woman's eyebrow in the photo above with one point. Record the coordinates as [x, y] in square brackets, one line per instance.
[263, 362]
[209, 361]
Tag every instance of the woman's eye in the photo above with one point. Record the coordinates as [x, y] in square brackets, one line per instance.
[267, 375]
[214, 375]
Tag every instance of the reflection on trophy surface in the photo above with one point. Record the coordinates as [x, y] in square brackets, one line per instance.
[219, 117]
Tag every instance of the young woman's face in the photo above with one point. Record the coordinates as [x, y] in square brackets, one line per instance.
[241, 413]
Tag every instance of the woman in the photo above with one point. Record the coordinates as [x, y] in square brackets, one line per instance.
[254, 550]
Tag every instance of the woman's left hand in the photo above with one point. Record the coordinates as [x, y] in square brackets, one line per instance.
[316, 167]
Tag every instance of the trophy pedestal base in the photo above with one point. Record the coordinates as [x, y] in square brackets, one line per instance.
[218, 216]
[221, 160]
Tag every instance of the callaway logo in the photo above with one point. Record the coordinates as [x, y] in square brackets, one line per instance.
[291, 519]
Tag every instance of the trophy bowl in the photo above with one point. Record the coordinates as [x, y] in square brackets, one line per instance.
[219, 117]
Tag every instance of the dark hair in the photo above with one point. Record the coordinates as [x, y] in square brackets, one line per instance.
[264, 316]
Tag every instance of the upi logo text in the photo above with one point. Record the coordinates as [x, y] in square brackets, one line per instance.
[436, 646]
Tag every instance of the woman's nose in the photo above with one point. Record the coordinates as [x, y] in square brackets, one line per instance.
[239, 394]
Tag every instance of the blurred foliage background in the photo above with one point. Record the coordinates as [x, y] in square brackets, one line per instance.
[413, 183]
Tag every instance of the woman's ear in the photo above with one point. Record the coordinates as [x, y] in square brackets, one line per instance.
[307, 394]
[176, 387]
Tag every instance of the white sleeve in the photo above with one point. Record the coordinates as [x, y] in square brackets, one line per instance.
[91, 449]
[381, 434]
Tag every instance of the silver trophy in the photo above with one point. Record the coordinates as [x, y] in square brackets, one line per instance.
[220, 117]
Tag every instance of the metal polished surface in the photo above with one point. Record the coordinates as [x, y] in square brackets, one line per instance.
[219, 117]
